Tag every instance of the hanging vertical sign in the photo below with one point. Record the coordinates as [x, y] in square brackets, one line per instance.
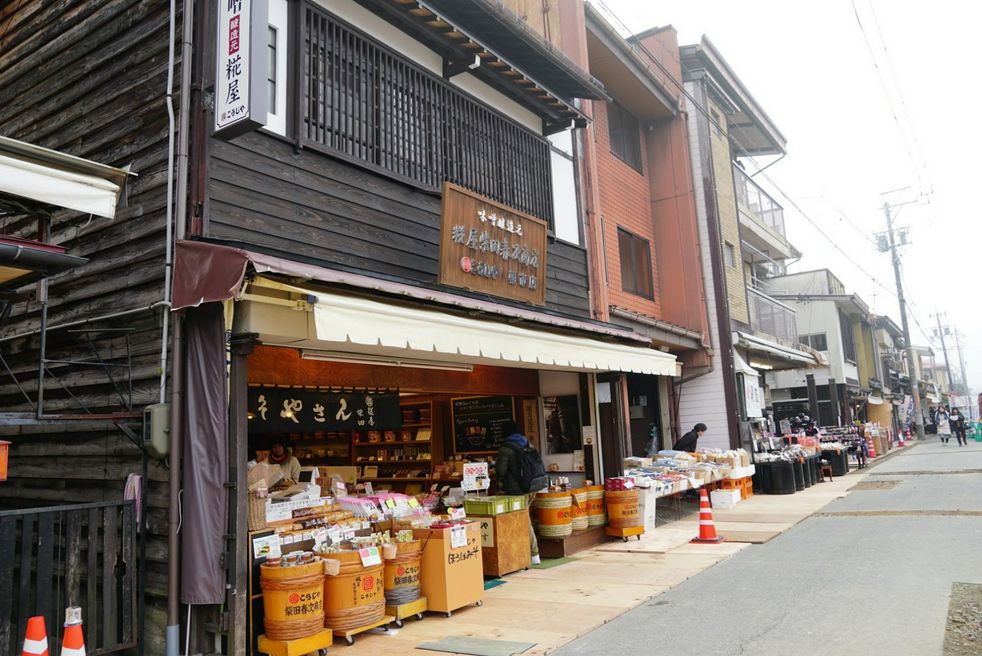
[241, 67]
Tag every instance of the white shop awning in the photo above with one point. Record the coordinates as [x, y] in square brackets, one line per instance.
[740, 366]
[54, 178]
[754, 343]
[874, 400]
[359, 325]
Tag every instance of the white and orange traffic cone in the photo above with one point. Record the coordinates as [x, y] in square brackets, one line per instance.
[707, 529]
[36, 637]
[73, 644]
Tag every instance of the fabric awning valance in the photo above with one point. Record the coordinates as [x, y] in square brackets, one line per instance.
[362, 325]
[47, 176]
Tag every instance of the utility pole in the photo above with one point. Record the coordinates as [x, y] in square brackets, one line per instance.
[961, 363]
[941, 332]
[915, 389]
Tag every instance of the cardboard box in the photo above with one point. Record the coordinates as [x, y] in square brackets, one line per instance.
[725, 498]
[646, 508]
[451, 577]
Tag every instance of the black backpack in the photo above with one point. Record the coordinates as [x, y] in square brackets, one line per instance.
[531, 472]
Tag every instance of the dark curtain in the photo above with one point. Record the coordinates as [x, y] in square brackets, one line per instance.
[204, 504]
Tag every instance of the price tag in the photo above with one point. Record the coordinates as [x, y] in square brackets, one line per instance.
[458, 536]
[370, 556]
[390, 503]
[334, 534]
[413, 503]
[457, 513]
[369, 490]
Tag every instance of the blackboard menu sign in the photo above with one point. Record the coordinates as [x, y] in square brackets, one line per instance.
[291, 410]
[478, 420]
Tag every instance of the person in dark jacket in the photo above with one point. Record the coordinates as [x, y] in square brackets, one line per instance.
[509, 482]
[957, 422]
[688, 441]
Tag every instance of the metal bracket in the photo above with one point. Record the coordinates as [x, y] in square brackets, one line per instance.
[553, 127]
[452, 67]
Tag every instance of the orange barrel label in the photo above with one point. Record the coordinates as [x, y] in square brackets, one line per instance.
[595, 506]
[624, 509]
[303, 604]
[554, 515]
[403, 575]
[366, 589]
[577, 511]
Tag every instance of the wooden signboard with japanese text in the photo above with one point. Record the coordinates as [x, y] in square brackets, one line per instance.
[292, 410]
[490, 248]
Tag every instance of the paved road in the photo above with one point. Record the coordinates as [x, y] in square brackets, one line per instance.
[870, 574]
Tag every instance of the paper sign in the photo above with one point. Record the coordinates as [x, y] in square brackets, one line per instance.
[487, 533]
[413, 503]
[390, 503]
[369, 490]
[589, 434]
[262, 546]
[370, 556]
[475, 477]
[457, 513]
[458, 536]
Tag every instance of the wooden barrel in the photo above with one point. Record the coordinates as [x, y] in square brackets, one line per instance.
[293, 600]
[553, 512]
[622, 509]
[354, 597]
[595, 513]
[401, 574]
[577, 511]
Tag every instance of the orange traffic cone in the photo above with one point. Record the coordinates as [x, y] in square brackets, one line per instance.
[36, 638]
[707, 529]
[72, 644]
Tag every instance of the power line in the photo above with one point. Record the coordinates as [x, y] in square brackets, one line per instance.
[702, 110]
[919, 168]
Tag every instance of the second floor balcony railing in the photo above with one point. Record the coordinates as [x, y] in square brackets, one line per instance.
[772, 318]
[367, 103]
[757, 203]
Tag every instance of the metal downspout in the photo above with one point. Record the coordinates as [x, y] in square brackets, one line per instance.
[173, 637]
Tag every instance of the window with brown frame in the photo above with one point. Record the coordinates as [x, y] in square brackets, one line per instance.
[625, 135]
[635, 255]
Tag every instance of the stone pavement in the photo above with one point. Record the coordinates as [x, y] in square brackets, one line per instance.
[551, 607]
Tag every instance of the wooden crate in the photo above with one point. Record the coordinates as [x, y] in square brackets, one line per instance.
[505, 542]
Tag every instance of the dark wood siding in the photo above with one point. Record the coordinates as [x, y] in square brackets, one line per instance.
[313, 206]
[88, 77]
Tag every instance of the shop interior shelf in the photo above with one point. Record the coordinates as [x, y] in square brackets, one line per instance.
[390, 462]
[424, 424]
[400, 443]
[397, 478]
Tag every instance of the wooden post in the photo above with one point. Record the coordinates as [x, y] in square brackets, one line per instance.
[813, 399]
[834, 398]
[237, 608]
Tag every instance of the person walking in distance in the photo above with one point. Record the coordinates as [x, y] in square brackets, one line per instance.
[688, 441]
[957, 422]
[943, 421]
[520, 470]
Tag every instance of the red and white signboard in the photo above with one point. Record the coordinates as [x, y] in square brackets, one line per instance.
[240, 72]
[475, 477]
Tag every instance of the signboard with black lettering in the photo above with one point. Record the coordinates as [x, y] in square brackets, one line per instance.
[491, 248]
[478, 420]
[241, 67]
[290, 410]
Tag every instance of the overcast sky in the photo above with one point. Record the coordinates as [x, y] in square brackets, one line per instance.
[808, 66]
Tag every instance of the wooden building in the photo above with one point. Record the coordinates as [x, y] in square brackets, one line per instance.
[413, 160]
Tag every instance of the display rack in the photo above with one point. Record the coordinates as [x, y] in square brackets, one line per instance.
[392, 456]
